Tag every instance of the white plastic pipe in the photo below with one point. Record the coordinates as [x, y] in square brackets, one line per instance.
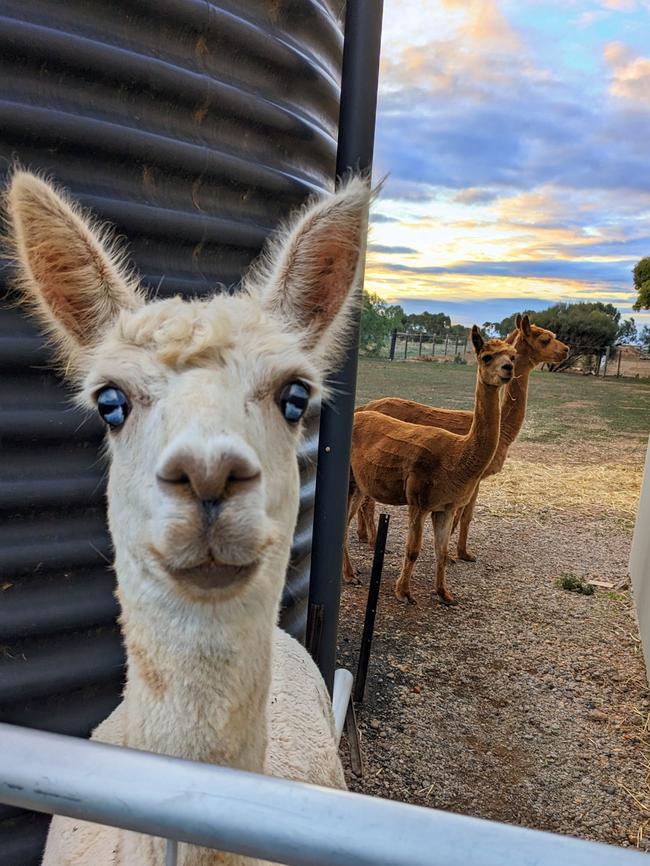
[341, 698]
[258, 816]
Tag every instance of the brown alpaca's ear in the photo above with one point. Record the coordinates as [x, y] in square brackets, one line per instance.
[477, 339]
[69, 274]
[518, 321]
[310, 272]
[525, 326]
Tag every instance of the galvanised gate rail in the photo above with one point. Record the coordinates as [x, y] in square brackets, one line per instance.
[262, 817]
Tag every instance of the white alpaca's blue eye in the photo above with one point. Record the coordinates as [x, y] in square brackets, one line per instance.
[113, 406]
[294, 399]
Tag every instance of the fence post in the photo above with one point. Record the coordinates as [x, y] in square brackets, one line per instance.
[618, 368]
[446, 343]
[606, 360]
[456, 346]
[420, 347]
[406, 345]
[393, 341]
[465, 346]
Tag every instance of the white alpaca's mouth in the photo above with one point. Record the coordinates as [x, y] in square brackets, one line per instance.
[215, 575]
[211, 573]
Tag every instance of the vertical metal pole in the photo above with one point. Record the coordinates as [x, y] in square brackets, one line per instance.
[618, 368]
[171, 852]
[371, 608]
[606, 360]
[359, 77]
[446, 344]
[406, 346]
[393, 340]
[420, 347]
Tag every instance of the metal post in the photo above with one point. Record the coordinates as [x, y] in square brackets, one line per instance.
[393, 341]
[359, 78]
[433, 345]
[420, 347]
[446, 343]
[618, 368]
[406, 345]
[371, 608]
[606, 360]
[456, 346]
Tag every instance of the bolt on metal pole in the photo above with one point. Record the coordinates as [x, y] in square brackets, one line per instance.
[359, 78]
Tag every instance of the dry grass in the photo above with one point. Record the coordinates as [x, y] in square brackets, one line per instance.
[598, 491]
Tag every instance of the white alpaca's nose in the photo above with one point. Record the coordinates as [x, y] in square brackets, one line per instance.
[211, 471]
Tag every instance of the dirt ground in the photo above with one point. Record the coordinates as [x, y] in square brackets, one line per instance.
[526, 703]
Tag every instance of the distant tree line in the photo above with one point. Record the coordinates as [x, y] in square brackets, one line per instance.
[379, 318]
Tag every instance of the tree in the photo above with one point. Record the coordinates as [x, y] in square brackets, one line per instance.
[644, 337]
[587, 327]
[377, 321]
[428, 323]
[641, 274]
[627, 332]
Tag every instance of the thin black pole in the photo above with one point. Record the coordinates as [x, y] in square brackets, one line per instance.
[393, 340]
[359, 77]
[371, 608]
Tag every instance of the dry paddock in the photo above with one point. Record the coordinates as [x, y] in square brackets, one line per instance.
[525, 703]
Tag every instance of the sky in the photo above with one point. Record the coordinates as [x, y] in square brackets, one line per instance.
[514, 136]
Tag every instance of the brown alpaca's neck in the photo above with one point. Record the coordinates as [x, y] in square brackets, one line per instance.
[513, 408]
[483, 436]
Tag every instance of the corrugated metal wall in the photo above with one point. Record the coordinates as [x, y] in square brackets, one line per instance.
[194, 127]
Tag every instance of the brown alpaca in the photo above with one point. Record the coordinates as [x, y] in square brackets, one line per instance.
[534, 346]
[432, 471]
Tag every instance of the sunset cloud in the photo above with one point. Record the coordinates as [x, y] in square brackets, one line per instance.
[515, 145]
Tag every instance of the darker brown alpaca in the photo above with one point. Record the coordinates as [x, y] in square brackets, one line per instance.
[534, 346]
[431, 470]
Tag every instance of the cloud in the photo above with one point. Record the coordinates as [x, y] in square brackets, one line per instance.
[630, 75]
[516, 150]
[382, 218]
[387, 250]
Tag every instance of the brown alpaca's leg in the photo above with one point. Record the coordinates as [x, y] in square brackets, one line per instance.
[442, 524]
[451, 559]
[413, 547]
[362, 526]
[465, 521]
[368, 510]
[354, 501]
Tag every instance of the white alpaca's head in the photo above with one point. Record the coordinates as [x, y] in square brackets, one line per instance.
[203, 399]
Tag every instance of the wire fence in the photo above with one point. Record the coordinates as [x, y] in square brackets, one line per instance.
[406, 344]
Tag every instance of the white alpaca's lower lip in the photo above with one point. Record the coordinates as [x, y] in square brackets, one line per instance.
[215, 575]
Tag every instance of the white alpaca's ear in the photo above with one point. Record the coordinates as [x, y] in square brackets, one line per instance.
[309, 275]
[74, 279]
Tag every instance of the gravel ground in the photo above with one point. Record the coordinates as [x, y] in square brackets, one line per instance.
[525, 703]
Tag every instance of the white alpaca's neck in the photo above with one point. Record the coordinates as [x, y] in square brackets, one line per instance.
[198, 682]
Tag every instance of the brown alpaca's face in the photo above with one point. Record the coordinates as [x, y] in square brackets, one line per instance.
[496, 362]
[543, 345]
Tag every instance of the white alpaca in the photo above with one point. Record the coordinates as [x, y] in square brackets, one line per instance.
[203, 401]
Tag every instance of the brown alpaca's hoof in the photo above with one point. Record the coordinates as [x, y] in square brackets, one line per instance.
[466, 556]
[404, 597]
[451, 560]
[447, 599]
[352, 581]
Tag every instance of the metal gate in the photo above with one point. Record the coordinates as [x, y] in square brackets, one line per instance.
[194, 127]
